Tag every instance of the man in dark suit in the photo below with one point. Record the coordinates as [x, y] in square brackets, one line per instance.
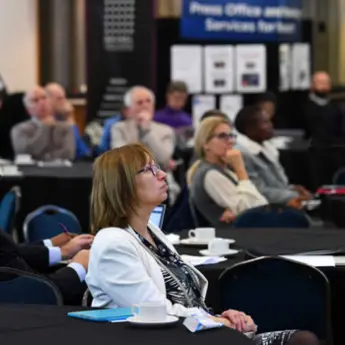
[324, 123]
[39, 258]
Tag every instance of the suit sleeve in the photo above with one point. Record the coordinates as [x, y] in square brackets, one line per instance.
[37, 256]
[9, 254]
[64, 142]
[117, 137]
[162, 146]
[274, 195]
[33, 141]
[69, 284]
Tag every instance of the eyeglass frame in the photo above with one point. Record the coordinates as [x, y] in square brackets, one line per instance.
[154, 168]
[221, 136]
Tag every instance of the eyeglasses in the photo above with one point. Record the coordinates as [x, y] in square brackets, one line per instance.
[154, 168]
[225, 136]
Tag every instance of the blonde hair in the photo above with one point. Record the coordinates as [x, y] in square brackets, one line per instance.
[204, 135]
[113, 196]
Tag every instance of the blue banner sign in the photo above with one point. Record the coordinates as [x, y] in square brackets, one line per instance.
[242, 20]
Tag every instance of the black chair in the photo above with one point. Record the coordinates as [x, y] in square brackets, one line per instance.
[45, 222]
[21, 287]
[279, 294]
[9, 207]
[339, 177]
[272, 216]
[199, 219]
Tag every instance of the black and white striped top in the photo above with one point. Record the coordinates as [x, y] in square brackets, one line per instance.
[181, 271]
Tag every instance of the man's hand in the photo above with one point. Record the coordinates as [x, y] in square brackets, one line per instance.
[48, 121]
[295, 203]
[62, 239]
[227, 217]
[171, 165]
[75, 245]
[303, 192]
[82, 258]
[144, 120]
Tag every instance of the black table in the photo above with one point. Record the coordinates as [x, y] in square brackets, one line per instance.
[278, 242]
[50, 325]
[68, 187]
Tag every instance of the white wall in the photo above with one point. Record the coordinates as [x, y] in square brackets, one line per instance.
[18, 44]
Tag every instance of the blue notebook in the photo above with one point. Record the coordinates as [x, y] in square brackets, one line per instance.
[103, 315]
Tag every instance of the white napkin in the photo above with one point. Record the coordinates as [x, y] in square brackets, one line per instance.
[202, 260]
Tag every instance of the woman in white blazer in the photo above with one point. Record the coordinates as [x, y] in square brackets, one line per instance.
[131, 260]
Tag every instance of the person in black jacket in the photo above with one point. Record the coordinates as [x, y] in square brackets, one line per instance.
[323, 119]
[40, 257]
[324, 123]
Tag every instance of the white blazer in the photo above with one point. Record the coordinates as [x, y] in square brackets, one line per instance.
[123, 272]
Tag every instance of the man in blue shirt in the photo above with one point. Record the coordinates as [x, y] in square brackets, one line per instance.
[173, 114]
[63, 111]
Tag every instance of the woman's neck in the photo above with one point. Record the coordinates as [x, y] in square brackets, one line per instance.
[139, 220]
[215, 160]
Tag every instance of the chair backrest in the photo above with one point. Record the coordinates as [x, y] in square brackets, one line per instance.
[272, 216]
[87, 298]
[9, 208]
[339, 177]
[199, 219]
[279, 294]
[27, 288]
[180, 215]
[44, 223]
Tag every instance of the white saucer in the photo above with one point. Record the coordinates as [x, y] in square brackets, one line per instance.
[169, 320]
[196, 242]
[206, 252]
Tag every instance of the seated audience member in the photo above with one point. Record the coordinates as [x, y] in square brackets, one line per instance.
[323, 120]
[38, 258]
[173, 114]
[218, 181]
[139, 127]
[42, 136]
[133, 262]
[105, 140]
[261, 159]
[63, 111]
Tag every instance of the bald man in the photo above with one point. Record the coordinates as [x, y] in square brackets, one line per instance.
[63, 111]
[42, 136]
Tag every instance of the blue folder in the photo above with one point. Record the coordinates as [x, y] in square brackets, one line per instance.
[103, 315]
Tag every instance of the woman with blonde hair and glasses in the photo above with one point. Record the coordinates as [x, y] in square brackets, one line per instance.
[218, 181]
[132, 261]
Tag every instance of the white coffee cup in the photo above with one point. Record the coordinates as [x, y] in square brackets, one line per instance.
[218, 245]
[23, 158]
[9, 169]
[150, 311]
[202, 234]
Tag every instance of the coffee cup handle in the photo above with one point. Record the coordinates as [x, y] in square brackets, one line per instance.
[191, 233]
[211, 246]
[135, 310]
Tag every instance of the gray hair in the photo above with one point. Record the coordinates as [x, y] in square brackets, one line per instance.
[128, 97]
